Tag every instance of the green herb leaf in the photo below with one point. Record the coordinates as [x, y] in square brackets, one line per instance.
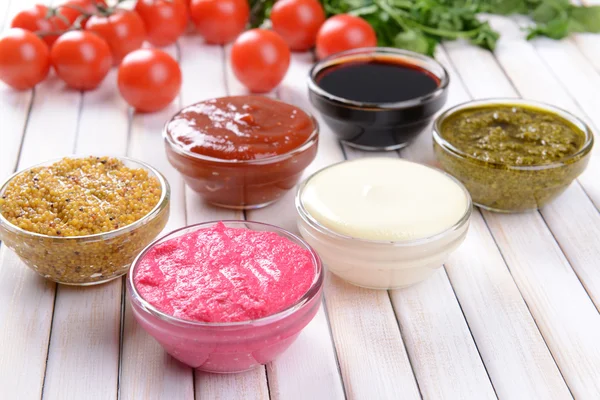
[546, 12]
[556, 29]
[412, 40]
[419, 25]
[585, 19]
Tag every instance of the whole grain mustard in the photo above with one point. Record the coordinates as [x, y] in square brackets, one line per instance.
[79, 196]
[58, 207]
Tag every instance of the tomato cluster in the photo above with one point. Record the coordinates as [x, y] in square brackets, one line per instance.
[83, 39]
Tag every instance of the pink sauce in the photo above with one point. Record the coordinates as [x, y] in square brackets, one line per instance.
[222, 274]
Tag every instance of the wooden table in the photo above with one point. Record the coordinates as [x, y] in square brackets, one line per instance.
[513, 314]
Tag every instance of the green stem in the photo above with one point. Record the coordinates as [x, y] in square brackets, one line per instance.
[382, 4]
[446, 33]
[370, 9]
[78, 9]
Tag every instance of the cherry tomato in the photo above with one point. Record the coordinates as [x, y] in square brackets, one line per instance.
[123, 31]
[71, 9]
[35, 19]
[344, 32]
[165, 20]
[24, 59]
[219, 21]
[149, 79]
[260, 58]
[81, 59]
[298, 21]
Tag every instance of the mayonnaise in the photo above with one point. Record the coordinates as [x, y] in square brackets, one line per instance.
[383, 222]
[384, 199]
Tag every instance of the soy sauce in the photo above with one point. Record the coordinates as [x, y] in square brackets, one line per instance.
[377, 80]
[382, 85]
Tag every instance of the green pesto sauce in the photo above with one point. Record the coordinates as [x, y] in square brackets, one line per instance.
[512, 135]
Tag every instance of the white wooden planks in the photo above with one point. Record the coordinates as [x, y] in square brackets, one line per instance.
[27, 313]
[364, 336]
[308, 369]
[479, 276]
[526, 71]
[146, 370]
[14, 105]
[249, 385]
[316, 362]
[443, 354]
[511, 346]
[362, 359]
[25, 318]
[435, 333]
[203, 71]
[89, 319]
[582, 82]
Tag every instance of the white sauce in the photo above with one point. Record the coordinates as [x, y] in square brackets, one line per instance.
[384, 199]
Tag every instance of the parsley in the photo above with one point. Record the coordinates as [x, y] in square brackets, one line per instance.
[419, 25]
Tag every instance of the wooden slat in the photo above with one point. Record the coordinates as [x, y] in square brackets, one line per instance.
[435, 333]
[563, 311]
[577, 229]
[232, 386]
[14, 105]
[504, 331]
[147, 371]
[26, 313]
[442, 351]
[320, 377]
[579, 78]
[25, 319]
[88, 319]
[424, 338]
[534, 79]
[570, 212]
[308, 369]
[513, 350]
[560, 296]
[203, 71]
[14, 110]
[371, 353]
[372, 358]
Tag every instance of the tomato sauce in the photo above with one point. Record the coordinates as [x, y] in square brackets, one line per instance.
[240, 128]
[241, 151]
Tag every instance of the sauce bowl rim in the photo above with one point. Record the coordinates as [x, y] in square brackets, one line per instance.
[365, 52]
[508, 101]
[162, 203]
[312, 222]
[310, 141]
[313, 291]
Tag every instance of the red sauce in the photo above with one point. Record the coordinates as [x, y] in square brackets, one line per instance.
[240, 128]
[242, 151]
[222, 274]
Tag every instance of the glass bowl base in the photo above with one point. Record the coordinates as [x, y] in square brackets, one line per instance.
[504, 211]
[244, 207]
[363, 147]
[100, 282]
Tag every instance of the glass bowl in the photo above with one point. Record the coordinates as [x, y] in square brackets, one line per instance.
[89, 259]
[511, 188]
[378, 264]
[378, 126]
[227, 347]
[242, 184]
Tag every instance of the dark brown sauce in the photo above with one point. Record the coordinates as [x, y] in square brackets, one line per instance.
[377, 80]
